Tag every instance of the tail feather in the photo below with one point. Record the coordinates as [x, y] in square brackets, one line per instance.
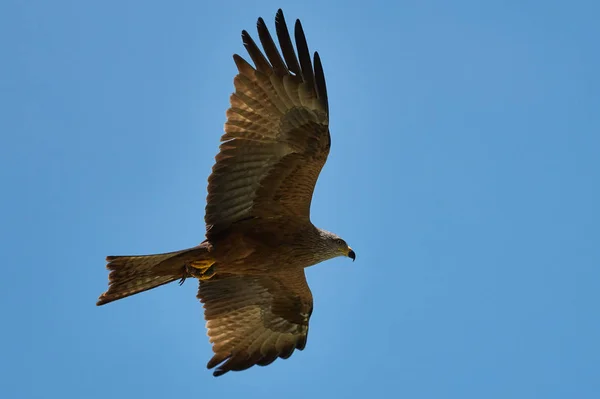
[131, 275]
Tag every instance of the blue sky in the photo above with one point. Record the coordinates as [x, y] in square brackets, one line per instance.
[464, 171]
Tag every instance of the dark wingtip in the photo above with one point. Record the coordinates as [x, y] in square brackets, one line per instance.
[320, 82]
[304, 55]
[219, 372]
[103, 300]
[212, 363]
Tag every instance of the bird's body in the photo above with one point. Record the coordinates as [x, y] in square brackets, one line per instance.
[249, 248]
[259, 237]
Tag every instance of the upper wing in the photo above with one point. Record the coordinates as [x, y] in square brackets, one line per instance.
[255, 319]
[276, 136]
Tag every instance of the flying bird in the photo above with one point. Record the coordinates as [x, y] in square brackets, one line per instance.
[259, 236]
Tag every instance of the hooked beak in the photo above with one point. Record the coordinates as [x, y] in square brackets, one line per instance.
[351, 254]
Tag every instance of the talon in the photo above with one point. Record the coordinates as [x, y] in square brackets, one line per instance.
[201, 264]
[186, 272]
[202, 270]
[208, 273]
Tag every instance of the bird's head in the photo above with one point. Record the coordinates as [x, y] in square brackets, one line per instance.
[336, 246]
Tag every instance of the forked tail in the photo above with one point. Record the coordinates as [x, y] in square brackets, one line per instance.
[131, 275]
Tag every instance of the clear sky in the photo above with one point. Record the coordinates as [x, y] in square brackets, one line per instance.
[464, 171]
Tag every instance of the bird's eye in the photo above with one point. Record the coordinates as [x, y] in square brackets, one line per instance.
[339, 241]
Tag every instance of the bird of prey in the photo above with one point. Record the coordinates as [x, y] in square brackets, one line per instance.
[259, 236]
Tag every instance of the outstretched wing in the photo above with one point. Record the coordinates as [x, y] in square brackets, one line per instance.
[255, 319]
[276, 137]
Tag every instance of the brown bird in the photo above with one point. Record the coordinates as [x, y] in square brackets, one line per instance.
[259, 237]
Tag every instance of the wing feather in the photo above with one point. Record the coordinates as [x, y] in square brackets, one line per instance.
[257, 56]
[321, 86]
[304, 55]
[271, 49]
[285, 42]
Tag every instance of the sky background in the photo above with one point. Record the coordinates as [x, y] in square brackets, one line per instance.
[464, 171]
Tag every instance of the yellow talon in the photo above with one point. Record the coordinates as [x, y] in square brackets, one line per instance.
[203, 269]
[207, 274]
[202, 264]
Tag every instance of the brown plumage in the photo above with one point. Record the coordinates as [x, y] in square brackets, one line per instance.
[259, 237]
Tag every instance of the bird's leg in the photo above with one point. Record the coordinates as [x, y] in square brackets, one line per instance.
[208, 273]
[201, 269]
